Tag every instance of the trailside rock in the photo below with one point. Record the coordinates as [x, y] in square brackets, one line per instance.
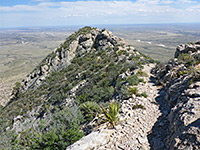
[180, 78]
[93, 140]
[187, 48]
[185, 120]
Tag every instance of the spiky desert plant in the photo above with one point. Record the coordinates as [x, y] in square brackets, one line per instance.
[111, 114]
[89, 110]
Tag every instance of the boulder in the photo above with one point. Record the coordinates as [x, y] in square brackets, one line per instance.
[93, 140]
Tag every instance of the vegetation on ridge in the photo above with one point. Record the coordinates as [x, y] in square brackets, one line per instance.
[111, 115]
[57, 110]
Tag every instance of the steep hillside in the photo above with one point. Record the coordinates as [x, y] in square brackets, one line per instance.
[48, 107]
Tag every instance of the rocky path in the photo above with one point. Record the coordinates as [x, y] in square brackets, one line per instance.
[142, 127]
[140, 117]
[158, 133]
[134, 132]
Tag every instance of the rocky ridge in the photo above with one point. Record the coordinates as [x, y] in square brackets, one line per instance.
[77, 44]
[171, 119]
[95, 67]
[86, 40]
[180, 77]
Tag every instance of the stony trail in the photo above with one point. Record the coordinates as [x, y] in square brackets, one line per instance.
[136, 128]
[158, 133]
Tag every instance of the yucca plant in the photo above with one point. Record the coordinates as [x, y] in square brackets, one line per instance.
[89, 110]
[111, 114]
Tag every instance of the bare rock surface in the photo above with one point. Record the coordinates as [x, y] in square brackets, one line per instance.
[95, 139]
[182, 95]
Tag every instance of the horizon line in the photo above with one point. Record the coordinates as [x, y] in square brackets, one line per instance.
[94, 25]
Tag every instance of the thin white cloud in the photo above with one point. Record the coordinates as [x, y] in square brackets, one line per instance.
[104, 11]
[194, 8]
[167, 2]
[113, 7]
[186, 1]
[96, 7]
[19, 8]
[152, 2]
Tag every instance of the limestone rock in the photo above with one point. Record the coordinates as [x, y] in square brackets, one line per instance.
[182, 86]
[91, 141]
[187, 48]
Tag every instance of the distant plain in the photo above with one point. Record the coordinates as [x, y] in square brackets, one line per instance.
[22, 49]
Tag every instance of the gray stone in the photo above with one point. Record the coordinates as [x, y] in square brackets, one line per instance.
[94, 139]
[44, 69]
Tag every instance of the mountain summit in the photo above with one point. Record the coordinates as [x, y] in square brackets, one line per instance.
[86, 40]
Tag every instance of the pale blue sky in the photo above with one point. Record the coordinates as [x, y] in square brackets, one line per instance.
[24, 13]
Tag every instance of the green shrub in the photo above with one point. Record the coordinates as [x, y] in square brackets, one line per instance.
[183, 72]
[186, 59]
[138, 106]
[144, 94]
[141, 73]
[133, 90]
[141, 80]
[133, 80]
[111, 114]
[124, 93]
[120, 52]
[54, 133]
[89, 110]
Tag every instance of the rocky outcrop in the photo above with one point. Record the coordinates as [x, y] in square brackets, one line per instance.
[95, 139]
[187, 48]
[181, 80]
[185, 120]
[60, 58]
[81, 42]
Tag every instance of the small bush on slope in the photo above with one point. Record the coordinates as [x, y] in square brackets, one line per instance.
[89, 110]
[56, 132]
[111, 115]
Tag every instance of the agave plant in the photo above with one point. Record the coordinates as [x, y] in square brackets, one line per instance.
[111, 114]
